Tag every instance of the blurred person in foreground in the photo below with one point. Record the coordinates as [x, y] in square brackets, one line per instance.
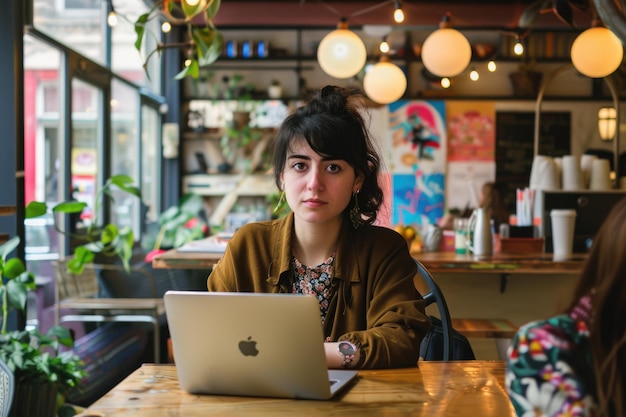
[574, 364]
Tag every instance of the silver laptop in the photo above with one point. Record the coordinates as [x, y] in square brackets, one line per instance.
[251, 344]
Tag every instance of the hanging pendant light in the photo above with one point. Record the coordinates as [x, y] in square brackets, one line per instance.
[597, 52]
[341, 53]
[446, 52]
[385, 82]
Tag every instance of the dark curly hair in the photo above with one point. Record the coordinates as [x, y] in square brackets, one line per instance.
[333, 126]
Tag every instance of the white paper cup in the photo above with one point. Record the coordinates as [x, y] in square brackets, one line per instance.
[544, 174]
[586, 161]
[600, 179]
[563, 224]
[572, 177]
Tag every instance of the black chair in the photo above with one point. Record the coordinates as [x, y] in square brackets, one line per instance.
[442, 342]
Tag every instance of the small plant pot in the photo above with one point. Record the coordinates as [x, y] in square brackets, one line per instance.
[241, 119]
[526, 83]
[34, 400]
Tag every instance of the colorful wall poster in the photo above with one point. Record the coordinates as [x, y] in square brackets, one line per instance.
[471, 130]
[418, 199]
[417, 161]
[471, 151]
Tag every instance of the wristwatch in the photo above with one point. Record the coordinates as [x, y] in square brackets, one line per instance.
[347, 350]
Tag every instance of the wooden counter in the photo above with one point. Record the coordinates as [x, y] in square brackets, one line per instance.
[528, 263]
[469, 388]
[448, 262]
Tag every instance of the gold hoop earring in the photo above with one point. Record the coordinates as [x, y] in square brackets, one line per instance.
[355, 212]
[281, 201]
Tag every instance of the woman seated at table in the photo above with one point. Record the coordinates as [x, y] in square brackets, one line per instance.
[327, 168]
[574, 364]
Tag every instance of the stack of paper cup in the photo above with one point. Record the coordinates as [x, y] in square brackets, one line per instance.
[563, 225]
[600, 178]
[585, 166]
[544, 174]
[572, 175]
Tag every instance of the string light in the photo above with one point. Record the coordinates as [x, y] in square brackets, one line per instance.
[384, 46]
[474, 75]
[398, 13]
[112, 16]
[491, 65]
[166, 27]
[518, 48]
[445, 82]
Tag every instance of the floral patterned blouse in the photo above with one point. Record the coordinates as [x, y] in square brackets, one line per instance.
[316, 280]
[549, 368]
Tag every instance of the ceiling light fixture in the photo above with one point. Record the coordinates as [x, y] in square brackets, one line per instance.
[597, 52]
[446, 52]
[112, 16]
[341, 53]
[518, 48]
[384, 46]
[384, 82]
[398, 13]
[607, 123]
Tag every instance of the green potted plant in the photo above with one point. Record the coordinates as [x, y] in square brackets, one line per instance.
[204, 44]
[108, 239]
[43, 374]
[177, 225]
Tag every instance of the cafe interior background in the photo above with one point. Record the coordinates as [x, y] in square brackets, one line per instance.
[82, 108]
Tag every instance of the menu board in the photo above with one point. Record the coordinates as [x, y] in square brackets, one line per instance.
[515, 132]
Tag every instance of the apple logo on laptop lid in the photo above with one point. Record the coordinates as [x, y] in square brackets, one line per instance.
[248, 347]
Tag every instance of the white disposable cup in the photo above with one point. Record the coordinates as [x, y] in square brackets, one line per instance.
[600, 178]
[586, 161]
[572, 177]
[544, 174]
[563, 224]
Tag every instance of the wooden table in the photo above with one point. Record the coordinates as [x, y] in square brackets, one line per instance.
[175, 259]
[469, 388]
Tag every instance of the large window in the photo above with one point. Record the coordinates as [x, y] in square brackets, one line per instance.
[90, 112]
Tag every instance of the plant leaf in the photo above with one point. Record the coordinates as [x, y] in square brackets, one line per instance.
[208, 43]
[70, 207]
[13, 268]
[140, 29]
[213, 8]
[17, 294]
[192, 70]
[531, 14]
[9, 246]
[35, 209]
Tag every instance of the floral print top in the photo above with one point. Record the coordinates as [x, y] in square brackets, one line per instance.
[549, 368]
[315, 281]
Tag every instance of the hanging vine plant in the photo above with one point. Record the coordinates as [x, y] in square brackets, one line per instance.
[204, 44]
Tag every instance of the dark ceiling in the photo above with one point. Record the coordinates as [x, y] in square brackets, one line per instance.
[484, 13]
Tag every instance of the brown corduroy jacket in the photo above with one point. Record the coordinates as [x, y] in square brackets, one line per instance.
[374, 305]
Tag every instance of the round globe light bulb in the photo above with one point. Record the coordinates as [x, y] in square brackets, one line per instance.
[341, 53]
[491, 66]
[446, 52]
[597, 52]
[474, 75]
[166, 27]
[398, 15]
[384, 47]
[518, 48]
[445, 82]
[384, 83]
